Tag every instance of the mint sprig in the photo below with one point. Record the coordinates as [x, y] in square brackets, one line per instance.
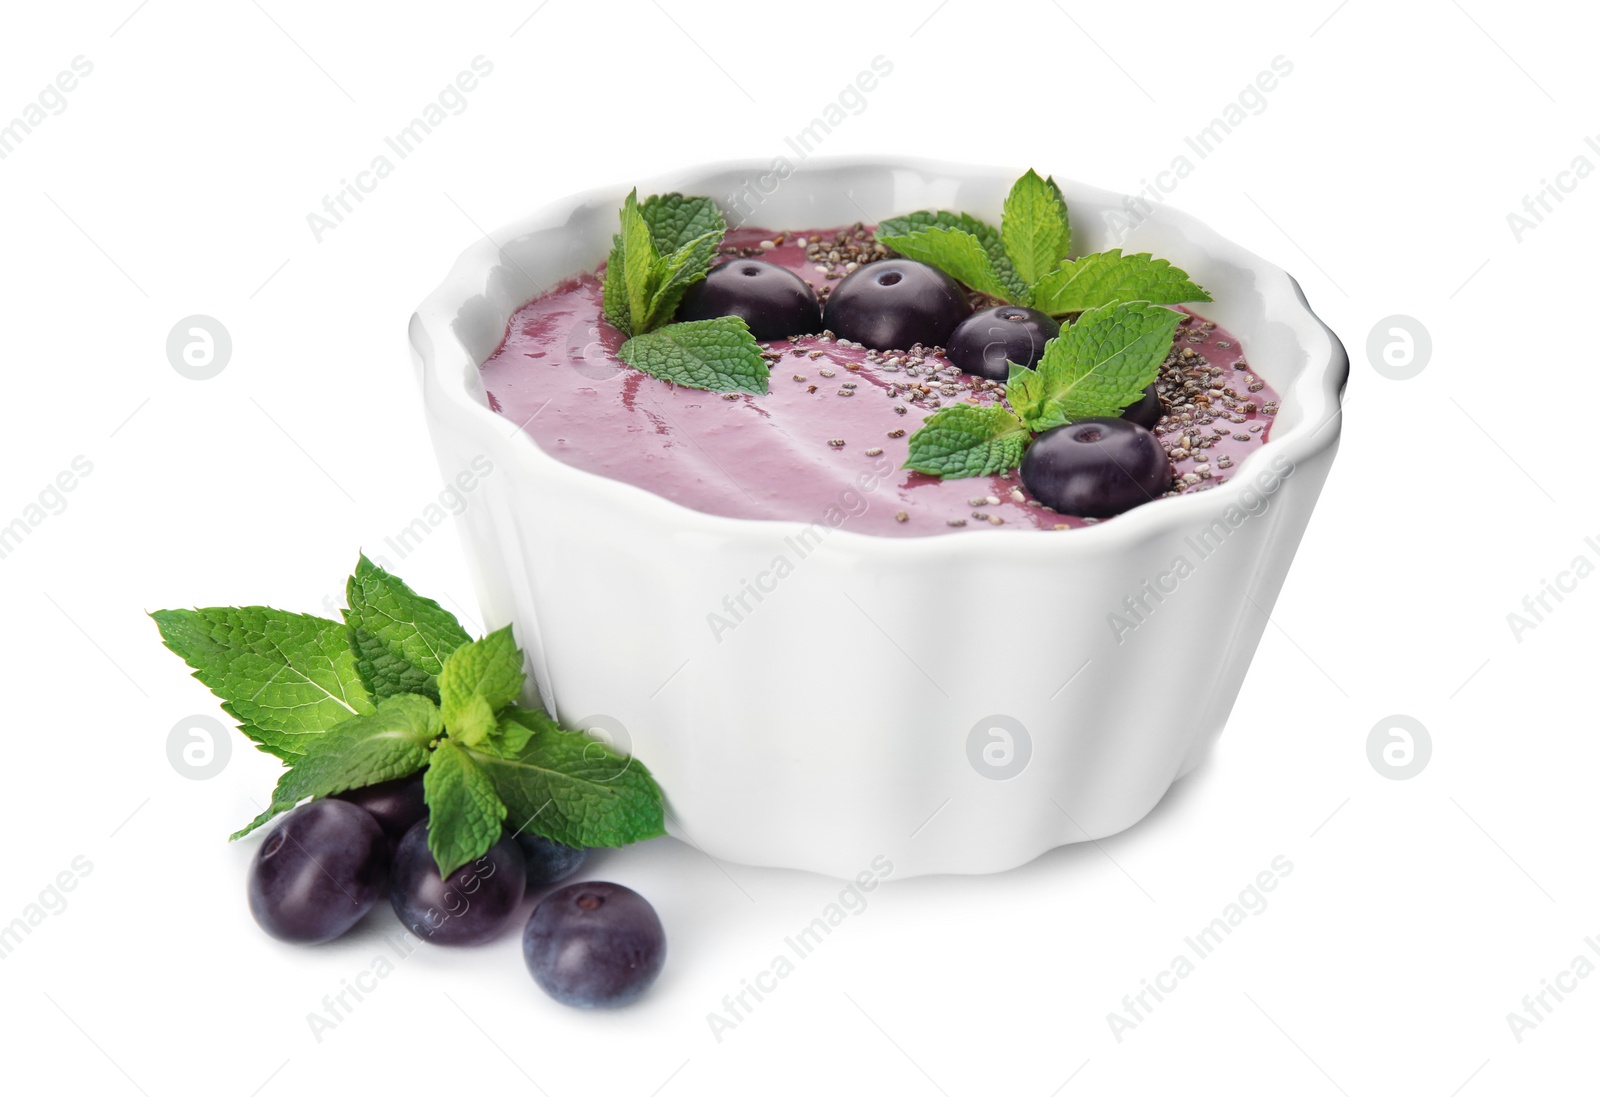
[400, 687]
[1025, 261]
[1095, 367]
[666, 245]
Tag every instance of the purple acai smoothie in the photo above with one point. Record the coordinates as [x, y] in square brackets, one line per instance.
[830, 437]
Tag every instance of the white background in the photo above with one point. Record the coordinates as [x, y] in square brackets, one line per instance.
[1419, 912]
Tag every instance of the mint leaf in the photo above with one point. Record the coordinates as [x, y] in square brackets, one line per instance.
[638, 262]
[966, 440]
[1107, 277]
[575, 790]
[987, 235]
[628, 289]
[677, 219]
[1096, 366]
[613, 292]
[720, 355]
[477, 680]
[959, 254]
[464, 812]
[945, 219]
[673, 274]
[286, 677]
[390, 743]
[1034, 226]
[400, 638]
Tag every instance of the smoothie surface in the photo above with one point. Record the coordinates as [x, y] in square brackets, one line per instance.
[829, 437]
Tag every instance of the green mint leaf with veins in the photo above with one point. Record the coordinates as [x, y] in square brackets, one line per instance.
[389, 743]
[286, 677]
[720, 355]
[1096, 366]
[1034, 226]
[614, 293]
[400, 638]
[477, 680]
[966, 440]
[677, 219]
[627, 289]
[987, 235]
[1107, 277]
[638, 262]
[572, 789]
[464, 811]
[959, 254]
[674, 273]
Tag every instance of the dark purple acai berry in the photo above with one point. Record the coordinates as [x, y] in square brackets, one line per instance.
[774, 301]
[396, 805]
[594, 944]
[1147, 410]
[548, 862]
[986, 341]
[472, 904]
[1095, 468]
[318, 872]
[894, 304]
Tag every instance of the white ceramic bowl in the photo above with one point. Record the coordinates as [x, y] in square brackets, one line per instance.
[955, 703]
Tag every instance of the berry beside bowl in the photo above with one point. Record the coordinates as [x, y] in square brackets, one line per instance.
[814, 692]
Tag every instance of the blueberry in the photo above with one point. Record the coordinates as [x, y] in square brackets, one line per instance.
[396, 805]
[594, 944]
[895, 303]
[318, 872]
[549, 862]
[984, 342]
[1147, 410]
[1095, 468]
[473, 904]
[775, 301]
